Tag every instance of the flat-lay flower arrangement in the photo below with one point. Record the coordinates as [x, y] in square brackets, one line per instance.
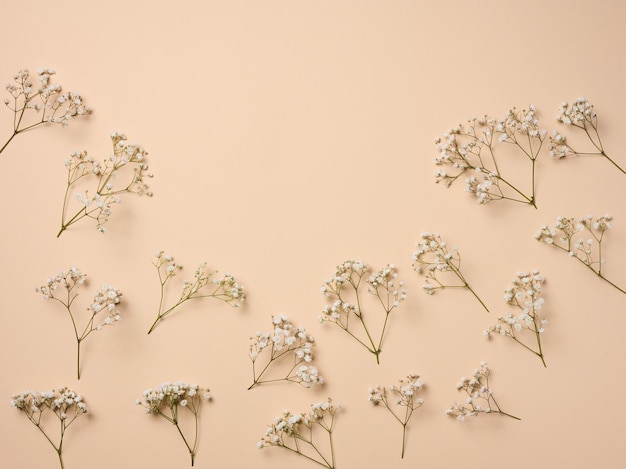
[359, 300]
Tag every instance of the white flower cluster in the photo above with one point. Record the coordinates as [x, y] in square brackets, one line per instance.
[437, 264]
[404, 396]
[525, 295]
[479, 396]
[580, 114]
[296, 432]
[473, 148]
[293, 344]
[64, 403]
[127, 161]
[65, 279]
[169, 395]
[582, 239]
[106, 300]
[58, 107]
[582, 248]
[167, 398]
[405, 392]
[203, 285]
[346, 281]
[576, 113]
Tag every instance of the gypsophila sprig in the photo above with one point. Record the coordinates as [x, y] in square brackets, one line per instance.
[346, 284]
[167, 400]
[65, 404]
[440, 265]
[297, 433]
[471, 151]
[524, 294]
[402, 395]
[47, 104]
[581, 239]
[480, 398]
[579, 114]
[63, 289]
[205, 284]
[124, 172]
[288, 345]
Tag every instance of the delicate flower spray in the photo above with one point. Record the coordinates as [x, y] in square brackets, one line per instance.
[287, 345]
[296, 433]
[123, 172]
[56, 106]
[403, 395]
[345, 284]
[524, 294]
[438, 264]
[479, 396]
[203, 285]
[475, 146]
[581, 115]
[581, 239]
[65, 404]
[167, 400]
[62, 288]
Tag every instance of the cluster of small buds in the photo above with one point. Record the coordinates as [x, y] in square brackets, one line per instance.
[524, 294]
[558, 147]
[58, 107]
[66, 279]
[106, 300]
[165, 400]
[169, 395]
[480, 396]
[64, 403]
[204, 285]
[404, 396]
[577, 112]
[346, 281]
[349, 272]
[580, 114]
[128, 159]
[385, 280]
[482, 190]
[296, 432]
[226, 288]
[405, 392]
[437, 263]
[582, 240]
[290, 343]
[461, 150]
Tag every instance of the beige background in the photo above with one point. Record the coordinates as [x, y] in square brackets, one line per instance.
[286, 137]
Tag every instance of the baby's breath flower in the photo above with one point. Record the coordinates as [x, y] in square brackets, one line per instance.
[204, 285]
[436, 262]
[479, 396]
[47, 104]
[164, 401]
[581, 239]
[289, 344]
[471, 150]
[578, 113]
[524, 294]
[346, 281]
[125, 171]
[105, 302]
[297, 432]
[64, 403]
[403, 395]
